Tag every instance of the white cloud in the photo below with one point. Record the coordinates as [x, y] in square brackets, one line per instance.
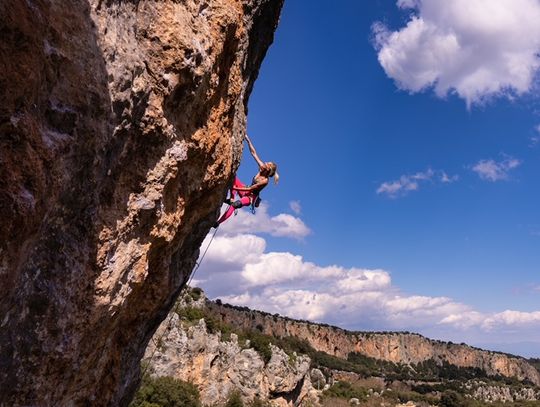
[447, 179]
[296, 207]
[534, 140]
[356, 299]
[408, 183]
[490, 170]
[240, 270]
[235, 251]
[496, 321]
[364, 280]
[475, 48]
[282, 225]
[510, 318]
[463, 320]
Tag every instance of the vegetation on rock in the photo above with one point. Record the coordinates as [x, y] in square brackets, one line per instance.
[166, 392]
[370, 380]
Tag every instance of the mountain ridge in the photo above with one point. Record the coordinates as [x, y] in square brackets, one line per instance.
[396, 347]
[225, 350]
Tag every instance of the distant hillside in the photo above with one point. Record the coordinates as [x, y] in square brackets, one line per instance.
[407, 349]
[265, 358]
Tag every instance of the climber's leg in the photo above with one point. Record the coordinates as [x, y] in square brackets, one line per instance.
[244, 201]
[233, 191]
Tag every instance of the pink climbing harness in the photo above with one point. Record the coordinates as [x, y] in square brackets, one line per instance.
[246, 198]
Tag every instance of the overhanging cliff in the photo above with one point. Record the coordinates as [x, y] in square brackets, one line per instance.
[121, 125]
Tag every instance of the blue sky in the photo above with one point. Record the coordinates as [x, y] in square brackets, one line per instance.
[429, 184]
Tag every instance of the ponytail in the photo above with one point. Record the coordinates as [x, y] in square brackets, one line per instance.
[274, 172]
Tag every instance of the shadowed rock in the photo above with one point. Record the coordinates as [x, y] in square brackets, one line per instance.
[121, 125]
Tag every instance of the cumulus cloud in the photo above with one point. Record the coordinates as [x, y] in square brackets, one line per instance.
[364, 280]
[448, 179]
[408, 183]
[491, 170]
[233, 252]
[495, 321]
[281, 225]
[535, 140]
[474, 48]
[239, 269]
[463, 320]
[296, 207]
[511, 318]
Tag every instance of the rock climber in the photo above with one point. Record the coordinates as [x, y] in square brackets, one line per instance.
[249, 195]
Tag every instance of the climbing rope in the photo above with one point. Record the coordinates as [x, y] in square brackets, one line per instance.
[198, 264]
[167, 326]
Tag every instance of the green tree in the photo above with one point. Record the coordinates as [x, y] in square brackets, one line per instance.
[451, 398]
[257, 402]
[234, 400]
[166, 392]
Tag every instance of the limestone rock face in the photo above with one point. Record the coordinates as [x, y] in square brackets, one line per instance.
[121, 125]
[491, 393]
[394, 347]
[219, 367]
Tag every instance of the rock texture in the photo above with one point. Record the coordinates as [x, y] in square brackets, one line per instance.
[220, 367]
[402, 348]
[121, 125]
[491, 393]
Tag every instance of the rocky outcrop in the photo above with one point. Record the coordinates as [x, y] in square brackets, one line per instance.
[219, 367]
[402, 348]
[492, 393]
[121, 125]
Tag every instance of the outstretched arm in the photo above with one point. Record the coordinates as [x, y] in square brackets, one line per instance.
[253, 152]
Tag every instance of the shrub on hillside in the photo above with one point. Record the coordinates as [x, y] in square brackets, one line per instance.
[166, 392]
[259, 342]
[535, 362]
[451, 398]
[346, 390]
[196, 293]
[234, 400]
[257, 402]
[190, 314]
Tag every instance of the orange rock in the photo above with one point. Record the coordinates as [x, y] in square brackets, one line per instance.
[121, 124]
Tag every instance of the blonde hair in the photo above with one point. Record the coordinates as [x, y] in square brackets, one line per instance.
[276, 177]
[274, 173]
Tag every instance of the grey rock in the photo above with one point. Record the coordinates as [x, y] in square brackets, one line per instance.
[218, 367]
[317, 378]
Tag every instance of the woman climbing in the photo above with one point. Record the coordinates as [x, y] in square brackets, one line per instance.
[249, 195]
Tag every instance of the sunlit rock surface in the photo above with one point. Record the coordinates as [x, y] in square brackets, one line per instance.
[221, 366]
[405, 348]
[121, 124]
